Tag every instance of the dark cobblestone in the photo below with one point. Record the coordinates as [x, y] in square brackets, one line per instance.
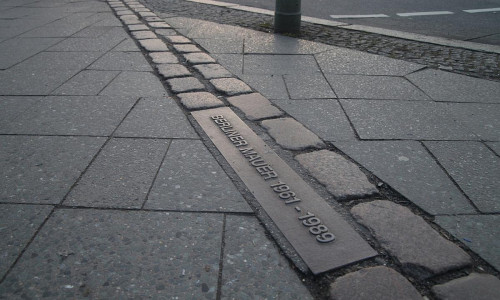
[469, 62]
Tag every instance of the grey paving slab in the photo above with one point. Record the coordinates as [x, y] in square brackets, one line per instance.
[406, 120]
[232, 62]
[341, 177]
[204, 29]
[72, 115]
[280, 64]
[145, 13]
[251, 272]
[255, 106]
[495, 147]
[130, 19]
[408, 168]
[144, 34]
[308, 87]
[482, 119]
[480, 233]
[163, 58]
[156, 117]
[141, 84]
[199, 100]
[152, 19]
[221, 45]
[56, 29]
[191, 179]
[121, 61]
[475, 286]
[198, 58]
[101, 44]
[42, 169]
[351, 62]
[59, 61]
[19, 223]
[87, 82]
[121, 175]
[96, 31]
[187, 84]
[120, 254]
[292, 135]
[324, 117]
[153, 45]
[127, 45]
[475, 168]
[230, 86]
[374, 87]
[280, 44]
[159, 25]
[166, 32]
[134, 27]
[271, 86]
[445, 86]
[211, 71]
[420, 250]
[16, 50]
[173, 70]
[14, 106]
[186, 48]
[375, 283]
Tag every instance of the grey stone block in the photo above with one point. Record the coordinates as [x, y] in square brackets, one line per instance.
[199, 100]
[159, 25]
[341, 177]
[178, 39]
[475, 168]
[144, 13]
[475, 286]
[173, 70]
[191, 179]
[163, 58]
[121, 61]
[198, 58]
[120, 254]
[407, 167]
[255, 106]
[230, 86]
[42, 169]
[480, 233]
[280, 64]
[188, 84]
[144, 34]
[134, 27]
[86, 83]
[140, 84]
[130, 20]
[156, 118]
[153, 19]
[292, 135]
[19, 222]
[271, 86]
[186, 48]
[166, 32]
[121, 175]
[421, 251]
[308, 87]
[153, 45]
[375, 283]
[211, 71]
[124, 12]
[245, 265]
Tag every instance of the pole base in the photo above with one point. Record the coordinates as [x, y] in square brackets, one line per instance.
[286, 23]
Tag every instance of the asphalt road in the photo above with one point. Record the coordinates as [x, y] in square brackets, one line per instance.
[444, 18]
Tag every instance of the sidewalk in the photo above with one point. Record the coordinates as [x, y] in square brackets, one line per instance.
[112, 187]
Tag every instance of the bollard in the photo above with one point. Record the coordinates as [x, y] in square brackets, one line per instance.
[287, 16]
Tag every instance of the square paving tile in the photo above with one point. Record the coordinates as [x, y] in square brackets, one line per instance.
[191, 179]
[86, 83]
[126, 61]
[308, 87]
[16, 50]
[127, 45]
[42, 169]
[279, 64]
[140, 84]
[271, 86]
[12, 107]
[482, 119]
[33, 82]
[221, 45]
[51, 61]
[120, 254]
[101, 44]
[495, 146]
[232, 62]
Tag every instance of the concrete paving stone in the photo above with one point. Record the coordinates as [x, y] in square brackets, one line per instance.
[482, 119]
[475, 286]
[178, 39]
[221, 45]
[191, 179]
[33, 82]
[343, 61]
[87, 82]
[121, 61]
[271, 86]
[421, 251]
[280, 64]
[198, 58]
[406, 120]
[166, 32]
[374, 283]
[232, 62]
[324, 117]
[495, 146]
[292, 135]
[19, 223]
[157, 118]
[255, 106]
[186, 48]
[130, 19]
[125, 12]
[41, 170]
[144, 34]
[135, 27]
[159, 25]
[308, 87]
[407, 167]
[211, 71]
[475, 168]
[204, 29]
[173, 70]
[15, 51]
[230, 86]
[141, 84]
[144, 13]
[341, 177]
[280, 44]
[71, 115]
[450, 87]
[49, 61]
[96, 31]
[11, 107]
[153, 19]
[128, 45]
[480, 233]
[121, 175]
[374, 87]
[56, 29]
[153, 45]
[248, 255]
[199, 100]
[187, 84]
[106, 254]
[163, 58]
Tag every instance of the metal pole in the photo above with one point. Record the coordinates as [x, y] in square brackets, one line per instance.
[287, 16]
